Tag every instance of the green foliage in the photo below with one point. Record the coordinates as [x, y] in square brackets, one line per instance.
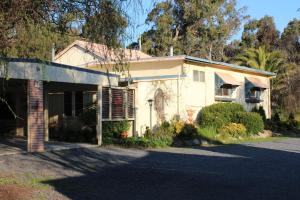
[260, 59]
[233, 130]
[75, 131]
[36, 41]
[208, 132]
[178, 126]
[113, 129]
[161, 137]
[198, 28]
[219, 114]
[189, 131]
[290, 41]
[276, 117]
[108, 22]
[261, 112]
[259, 33]
[28, 28]
[136, 142]
[252, 121]
[292, 122]
[88, 116]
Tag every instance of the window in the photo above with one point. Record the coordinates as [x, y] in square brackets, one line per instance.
[198, 76]
[255, 94]
[68, 103]
[253, 91]
[221, 91]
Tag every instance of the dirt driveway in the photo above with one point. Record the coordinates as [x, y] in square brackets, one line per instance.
[267, 170]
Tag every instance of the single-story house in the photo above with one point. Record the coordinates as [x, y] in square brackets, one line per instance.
[178, 85]
[38, 97]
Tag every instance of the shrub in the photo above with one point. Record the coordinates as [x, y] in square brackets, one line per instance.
[208, 132]
[276, 118]
[261, 112]
[178, 126]
[252, 121]
[188, 131]
[134, 142]
[233, 130]
[160, 138]
[218, 114]
[292, 123]
[114, 128]
[89, 116]
[74, 130]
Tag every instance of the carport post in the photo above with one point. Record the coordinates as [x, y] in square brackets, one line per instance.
[35, 118]
[99, 115]
[46, 115]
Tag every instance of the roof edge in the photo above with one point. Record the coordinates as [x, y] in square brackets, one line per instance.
[38, 61]
[237, 67]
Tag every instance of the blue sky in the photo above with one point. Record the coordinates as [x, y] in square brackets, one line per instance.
[282, 10]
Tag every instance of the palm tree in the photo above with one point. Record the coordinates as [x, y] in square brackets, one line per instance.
[260, 59]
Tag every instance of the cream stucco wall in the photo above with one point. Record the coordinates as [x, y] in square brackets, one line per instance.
[182, 93]
[76, 56]
[209, 86]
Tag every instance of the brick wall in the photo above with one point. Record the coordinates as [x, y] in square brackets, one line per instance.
[35, 116]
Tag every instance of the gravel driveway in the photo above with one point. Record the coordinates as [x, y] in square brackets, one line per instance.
[267, 170]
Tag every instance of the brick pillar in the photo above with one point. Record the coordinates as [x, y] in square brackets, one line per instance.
[35, 138]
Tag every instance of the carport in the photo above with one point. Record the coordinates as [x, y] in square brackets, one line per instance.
[27, 86]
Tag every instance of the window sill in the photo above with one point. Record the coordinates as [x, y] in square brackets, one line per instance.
[253, 100]
[224, 98]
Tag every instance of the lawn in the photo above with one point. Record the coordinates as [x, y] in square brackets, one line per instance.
[23, 186]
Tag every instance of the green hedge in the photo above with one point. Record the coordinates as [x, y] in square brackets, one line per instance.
[219, 114]
[251, 120]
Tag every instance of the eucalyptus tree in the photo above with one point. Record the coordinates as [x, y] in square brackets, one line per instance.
[262, 32]
[198, 28]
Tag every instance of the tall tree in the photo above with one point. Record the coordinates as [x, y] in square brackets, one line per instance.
[290, 41]
[107, 25]
[97, 20]
[165, 28]
[198, 28]
[261, 32]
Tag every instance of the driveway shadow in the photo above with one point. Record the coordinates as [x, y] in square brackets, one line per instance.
[223, 172]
